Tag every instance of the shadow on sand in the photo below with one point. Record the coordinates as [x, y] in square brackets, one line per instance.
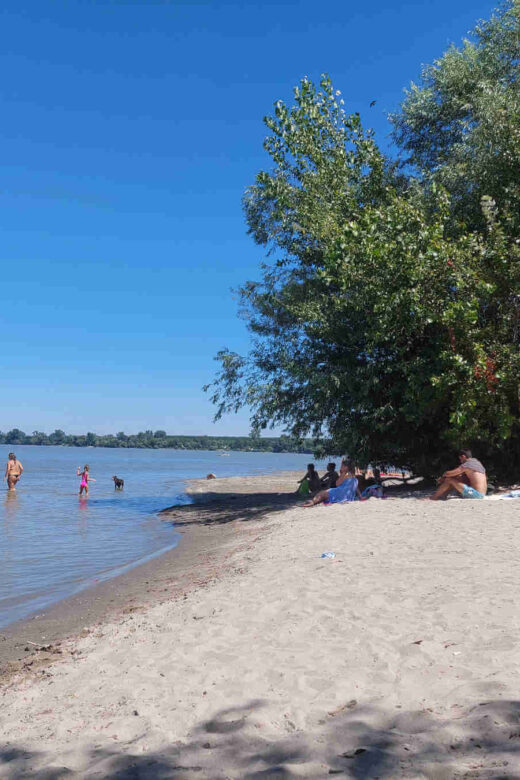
[211, 508]
[354, 741]
[219, 508]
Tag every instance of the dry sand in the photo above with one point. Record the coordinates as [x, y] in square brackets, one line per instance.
[397, 658]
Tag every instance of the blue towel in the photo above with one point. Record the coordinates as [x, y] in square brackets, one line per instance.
[345, 492]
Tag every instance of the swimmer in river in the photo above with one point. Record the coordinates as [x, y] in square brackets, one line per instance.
[13, 471]
[85, 479]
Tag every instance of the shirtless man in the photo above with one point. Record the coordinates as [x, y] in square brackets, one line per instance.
[469, 479]
[13, 471]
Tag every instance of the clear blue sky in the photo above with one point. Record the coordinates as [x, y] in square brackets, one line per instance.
[129, 132]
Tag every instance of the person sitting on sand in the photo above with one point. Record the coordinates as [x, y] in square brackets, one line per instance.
[310, 483]
[13, 471]
[468, 479]
[330, 477]
[346, 488]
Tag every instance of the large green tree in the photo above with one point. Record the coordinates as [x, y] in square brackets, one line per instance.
[376, 327]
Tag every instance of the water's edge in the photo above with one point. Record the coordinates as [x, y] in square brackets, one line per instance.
[199, 557]
[53, 546]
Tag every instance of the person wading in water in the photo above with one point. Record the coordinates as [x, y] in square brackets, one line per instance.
[13, 471]
[85, 479]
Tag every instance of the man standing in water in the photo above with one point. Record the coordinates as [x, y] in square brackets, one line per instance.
[469, 479]
[13, 471]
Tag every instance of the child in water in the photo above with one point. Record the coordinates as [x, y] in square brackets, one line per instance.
[85, 479]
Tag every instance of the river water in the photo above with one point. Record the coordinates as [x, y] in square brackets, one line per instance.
[53, 544]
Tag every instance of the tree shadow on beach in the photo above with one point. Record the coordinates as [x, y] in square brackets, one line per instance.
[220, 508]
[481, 741]
[216, 508]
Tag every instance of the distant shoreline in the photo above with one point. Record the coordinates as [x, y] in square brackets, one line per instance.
[150, 441]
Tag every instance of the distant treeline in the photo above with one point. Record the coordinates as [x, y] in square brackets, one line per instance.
[158, 440]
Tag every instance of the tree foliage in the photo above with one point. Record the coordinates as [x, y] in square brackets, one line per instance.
[460, 126]
[387, 320]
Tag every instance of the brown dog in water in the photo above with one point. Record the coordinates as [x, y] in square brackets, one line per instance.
[118, 483]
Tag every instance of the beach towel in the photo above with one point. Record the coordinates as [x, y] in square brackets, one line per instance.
[502, 496]
[345, 492]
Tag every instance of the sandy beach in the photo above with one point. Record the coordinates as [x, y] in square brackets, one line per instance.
[256, 657]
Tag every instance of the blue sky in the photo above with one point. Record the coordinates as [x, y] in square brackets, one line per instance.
[129, 133]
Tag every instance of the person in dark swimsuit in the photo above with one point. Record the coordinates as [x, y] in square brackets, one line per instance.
[13, 471]
[330, 477]
[310, 483]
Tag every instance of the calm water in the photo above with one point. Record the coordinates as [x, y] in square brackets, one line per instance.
[53, 544]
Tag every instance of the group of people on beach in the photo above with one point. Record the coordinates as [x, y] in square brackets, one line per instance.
[468, 479]
[332, 488]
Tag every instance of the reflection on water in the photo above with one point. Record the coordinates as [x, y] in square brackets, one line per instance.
[10, 506]
[54, 543]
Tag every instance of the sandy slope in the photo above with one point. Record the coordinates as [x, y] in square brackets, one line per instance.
[400, 657]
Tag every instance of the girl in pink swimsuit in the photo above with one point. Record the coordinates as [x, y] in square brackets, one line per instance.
[85, 479]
